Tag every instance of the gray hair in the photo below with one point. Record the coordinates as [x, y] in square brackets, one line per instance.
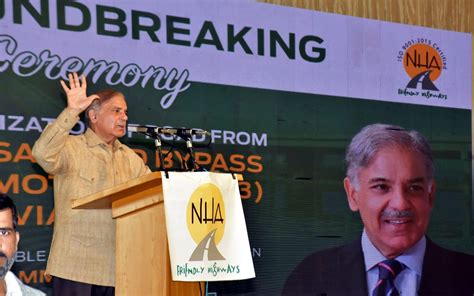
[104, 96]
[372, 138]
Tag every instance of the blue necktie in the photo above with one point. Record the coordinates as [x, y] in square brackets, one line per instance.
[388, 270]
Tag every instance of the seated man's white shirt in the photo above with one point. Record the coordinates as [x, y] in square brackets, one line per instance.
[15, 287]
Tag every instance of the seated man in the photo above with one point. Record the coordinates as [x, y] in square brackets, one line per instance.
[10, 285]
[390, 182]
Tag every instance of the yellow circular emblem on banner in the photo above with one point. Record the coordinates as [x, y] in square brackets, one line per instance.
[206, 212]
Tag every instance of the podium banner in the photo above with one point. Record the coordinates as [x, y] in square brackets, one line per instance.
[207, 235]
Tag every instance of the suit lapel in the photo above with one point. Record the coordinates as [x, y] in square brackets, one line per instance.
[352, 264]
[435, 277]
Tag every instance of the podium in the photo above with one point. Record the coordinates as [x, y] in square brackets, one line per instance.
[142, 255]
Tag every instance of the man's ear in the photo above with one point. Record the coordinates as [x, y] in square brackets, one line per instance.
[351, 193]
[92, 114]
[17, 239]
[432, 193]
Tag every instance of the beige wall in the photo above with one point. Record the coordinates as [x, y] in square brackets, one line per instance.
[454, 15]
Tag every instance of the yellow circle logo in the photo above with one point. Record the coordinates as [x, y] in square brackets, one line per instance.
[206, 212]
[420, 58]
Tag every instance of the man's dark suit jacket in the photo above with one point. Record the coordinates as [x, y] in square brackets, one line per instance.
[341, 272]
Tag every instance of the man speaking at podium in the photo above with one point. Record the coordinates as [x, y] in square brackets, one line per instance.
[82, 254]
[390, 182]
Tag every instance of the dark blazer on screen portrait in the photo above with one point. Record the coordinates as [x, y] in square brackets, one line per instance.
[340, 271]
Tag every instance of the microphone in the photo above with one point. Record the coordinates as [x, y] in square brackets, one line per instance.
[140, 129]
[181, 131]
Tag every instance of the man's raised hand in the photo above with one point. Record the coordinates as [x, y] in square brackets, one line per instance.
[77, 99]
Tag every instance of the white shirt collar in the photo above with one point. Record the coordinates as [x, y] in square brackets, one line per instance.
[13, 288]
[412, 258]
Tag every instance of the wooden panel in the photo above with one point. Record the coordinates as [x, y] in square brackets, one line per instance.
[137, 201]
[142, 260]
[455, 15]
[105, 198]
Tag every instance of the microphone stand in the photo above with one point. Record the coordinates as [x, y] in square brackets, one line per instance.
[189, 147]
[160, 154]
